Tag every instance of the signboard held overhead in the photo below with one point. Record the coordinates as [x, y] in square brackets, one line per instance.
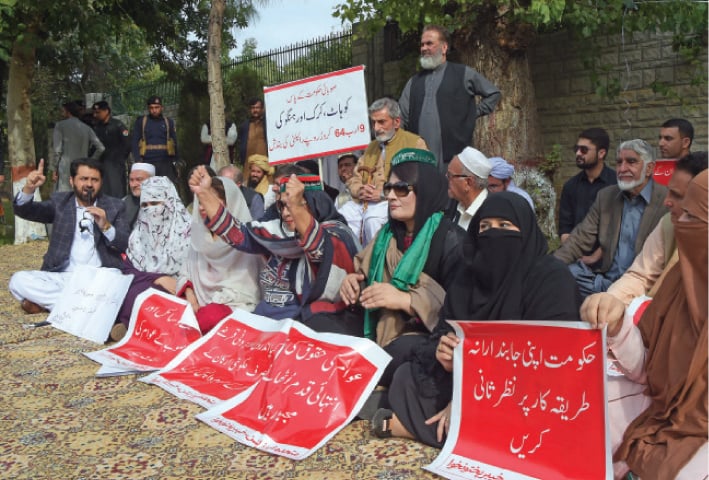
[317, 116]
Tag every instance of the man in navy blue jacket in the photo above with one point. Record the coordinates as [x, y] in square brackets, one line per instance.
[88, 229]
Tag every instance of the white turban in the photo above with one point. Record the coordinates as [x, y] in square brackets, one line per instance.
[145, 167]
[475, 162]
[501, 169]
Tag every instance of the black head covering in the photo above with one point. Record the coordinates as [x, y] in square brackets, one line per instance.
[491, 286]
[431, 195]
[322, 207]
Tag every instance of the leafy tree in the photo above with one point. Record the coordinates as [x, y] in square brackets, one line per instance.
[493, 36]
[86, 45]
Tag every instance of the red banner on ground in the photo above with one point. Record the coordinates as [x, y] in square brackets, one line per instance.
[316, 384]
[161, 325]
[232, 357]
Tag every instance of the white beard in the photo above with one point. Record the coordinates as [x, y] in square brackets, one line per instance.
[431, 62]
[386, 136]
[627, 186]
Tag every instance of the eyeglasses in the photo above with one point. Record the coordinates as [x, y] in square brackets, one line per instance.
[401, 189]
[583, 148]
[280, 204]
[450, 175]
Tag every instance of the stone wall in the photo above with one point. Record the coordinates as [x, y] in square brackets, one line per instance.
[567, 102]
[566, 96]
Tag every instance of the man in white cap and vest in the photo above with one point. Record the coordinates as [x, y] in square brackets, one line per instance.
[138, 173]
[467, 176]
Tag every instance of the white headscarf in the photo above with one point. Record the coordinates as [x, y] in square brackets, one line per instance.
[160, 238]
[220, 273]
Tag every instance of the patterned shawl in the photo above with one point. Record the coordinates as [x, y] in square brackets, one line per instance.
[160, 237]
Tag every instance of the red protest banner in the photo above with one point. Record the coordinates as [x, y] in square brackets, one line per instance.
[663, 171]
[315, 387]
[531, 403]
[160, 327]
[230, 358]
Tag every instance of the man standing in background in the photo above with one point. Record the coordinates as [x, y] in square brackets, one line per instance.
[116, 138]
[206, 139]
[252, 133]
[438, 103]
[71, 138]
[155, 140]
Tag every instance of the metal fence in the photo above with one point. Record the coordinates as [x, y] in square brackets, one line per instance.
[285, 64]
[299, 60]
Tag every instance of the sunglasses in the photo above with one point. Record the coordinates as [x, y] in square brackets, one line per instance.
[401, 189]
[583, 148]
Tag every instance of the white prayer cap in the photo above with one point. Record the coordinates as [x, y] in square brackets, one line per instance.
[475, 162]
[145, 167]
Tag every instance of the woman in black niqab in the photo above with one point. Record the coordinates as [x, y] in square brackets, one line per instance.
[510, 276]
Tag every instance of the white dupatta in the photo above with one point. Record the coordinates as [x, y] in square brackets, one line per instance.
[220, 273]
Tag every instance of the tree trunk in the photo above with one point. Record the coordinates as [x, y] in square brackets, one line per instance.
[512, 130]
[214, 84]
[19, 130]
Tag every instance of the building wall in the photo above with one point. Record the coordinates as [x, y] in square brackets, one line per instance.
[567, 101]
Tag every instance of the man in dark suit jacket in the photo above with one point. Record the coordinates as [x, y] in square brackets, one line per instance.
[88, 229]
[619, 221]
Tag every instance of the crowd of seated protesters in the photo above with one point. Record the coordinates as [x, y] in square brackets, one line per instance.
[658, 413]
[510, 276]
[302, 261]
[308, 250]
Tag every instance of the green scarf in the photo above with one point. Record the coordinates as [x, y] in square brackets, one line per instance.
[407, 271]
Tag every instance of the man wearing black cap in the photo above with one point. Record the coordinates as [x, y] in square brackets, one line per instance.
[115, 137]
[155, 141]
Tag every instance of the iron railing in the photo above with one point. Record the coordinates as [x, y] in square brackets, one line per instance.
[285, 64]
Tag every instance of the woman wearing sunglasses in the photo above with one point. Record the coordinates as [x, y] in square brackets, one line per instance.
[403, 274]
[308, 250]
[509, 276]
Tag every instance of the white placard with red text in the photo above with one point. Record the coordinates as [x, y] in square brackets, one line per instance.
[313, 387]
[529, 401]
[317, 116]
[161, 325]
